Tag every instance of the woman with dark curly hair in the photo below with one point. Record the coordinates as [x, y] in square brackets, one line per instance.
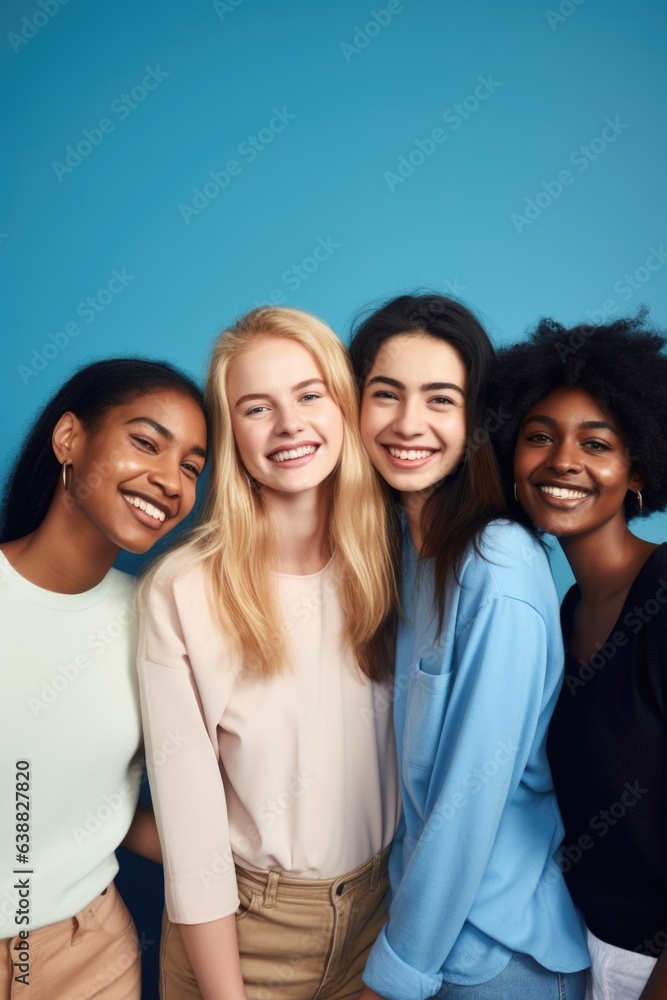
[587, 433]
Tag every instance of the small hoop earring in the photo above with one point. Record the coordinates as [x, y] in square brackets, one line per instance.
[639, 502]
[515, 495]
[66, 484]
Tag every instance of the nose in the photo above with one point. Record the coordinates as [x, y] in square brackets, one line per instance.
[565, 457]
[289, 421]
[166, 475]
[408, 422]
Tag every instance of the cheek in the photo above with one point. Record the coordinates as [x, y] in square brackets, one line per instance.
[368, 424]
[522, 463]
[243, 436]
[454, 433]
[188, 499]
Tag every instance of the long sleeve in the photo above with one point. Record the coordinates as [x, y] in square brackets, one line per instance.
[184, 770]
[477, 725]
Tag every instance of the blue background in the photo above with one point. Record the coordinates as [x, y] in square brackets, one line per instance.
[354, 92]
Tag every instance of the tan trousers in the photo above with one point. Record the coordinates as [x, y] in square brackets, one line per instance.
[299, 939]
[94, 954]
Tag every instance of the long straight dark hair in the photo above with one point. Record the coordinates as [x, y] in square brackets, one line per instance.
[460, 507]
[90, 393]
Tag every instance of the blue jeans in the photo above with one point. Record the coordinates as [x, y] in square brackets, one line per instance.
[522, 979]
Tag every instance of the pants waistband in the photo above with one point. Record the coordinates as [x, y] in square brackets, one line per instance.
[74, 927]
[276, 882]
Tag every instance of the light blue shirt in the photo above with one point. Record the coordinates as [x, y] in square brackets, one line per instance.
[473, 876]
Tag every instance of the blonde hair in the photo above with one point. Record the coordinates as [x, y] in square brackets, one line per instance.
[234, 537]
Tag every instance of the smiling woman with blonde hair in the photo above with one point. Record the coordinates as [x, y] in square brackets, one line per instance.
[263, 643]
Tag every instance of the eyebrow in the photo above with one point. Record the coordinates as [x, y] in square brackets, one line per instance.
[166, 433]
[426, 387]
[267, 395]
[585, 425]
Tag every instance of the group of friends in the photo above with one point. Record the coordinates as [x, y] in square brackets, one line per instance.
[364, 714]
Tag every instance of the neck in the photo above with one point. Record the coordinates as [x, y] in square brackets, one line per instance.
[65, 554]
[413, 504]
[606, 562]
[301, 526]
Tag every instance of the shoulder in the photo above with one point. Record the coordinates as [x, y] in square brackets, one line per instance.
[649, 588]
[509, 562]
[122, 586]
[176, 571]
[178, 581]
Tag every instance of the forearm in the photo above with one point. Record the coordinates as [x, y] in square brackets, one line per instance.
[142, 836]
[213, 951]
[656, 987]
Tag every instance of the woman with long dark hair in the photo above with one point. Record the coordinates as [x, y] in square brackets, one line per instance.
[111, 463]
[586, 449]
[479, 908]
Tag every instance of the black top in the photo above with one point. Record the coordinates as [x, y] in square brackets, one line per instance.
[607, 748]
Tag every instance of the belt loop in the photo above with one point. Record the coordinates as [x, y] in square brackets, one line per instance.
[79, 927]
[271, 888]
[375, 873]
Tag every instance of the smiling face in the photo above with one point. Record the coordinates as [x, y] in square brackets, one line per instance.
[287, 426]
[134, 476]
[413, 417]
[571, 465]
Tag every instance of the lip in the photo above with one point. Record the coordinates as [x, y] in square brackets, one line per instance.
[142, 516]
[294, 463]
[407, 463]
[561, 503]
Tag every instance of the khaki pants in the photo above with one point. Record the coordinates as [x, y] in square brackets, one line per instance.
[299, 939]
[93, 954]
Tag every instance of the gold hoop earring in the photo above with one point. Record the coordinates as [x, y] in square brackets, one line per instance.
[639, 502]
[66, 484]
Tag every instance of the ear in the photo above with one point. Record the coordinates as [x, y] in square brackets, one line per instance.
[67, 438]
[637, 480]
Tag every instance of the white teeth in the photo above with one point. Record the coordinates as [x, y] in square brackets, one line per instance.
[284, 456]
[159, 515]
[562, 493]
[410, 455]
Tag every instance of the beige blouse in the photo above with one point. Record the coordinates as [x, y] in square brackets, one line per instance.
[297, 772]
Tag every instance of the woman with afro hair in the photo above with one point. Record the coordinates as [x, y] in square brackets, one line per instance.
[584, 442]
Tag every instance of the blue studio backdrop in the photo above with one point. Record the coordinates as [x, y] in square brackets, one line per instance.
[173, 164]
